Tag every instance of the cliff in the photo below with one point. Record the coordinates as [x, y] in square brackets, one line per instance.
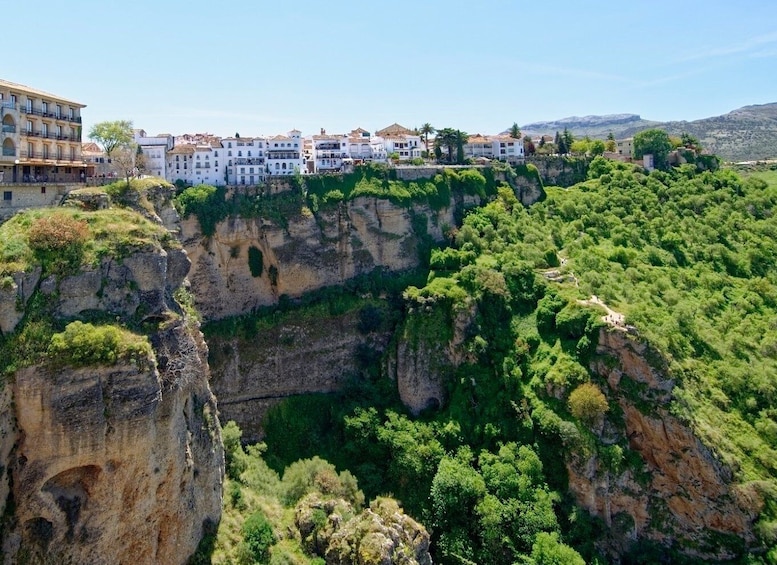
[305, 352]
[681, 496]
[310, 252]
[115, 461]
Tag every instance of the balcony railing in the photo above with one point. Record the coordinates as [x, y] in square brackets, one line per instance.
[9, 128]
[50, 135]
[9, 152]
[42, 114]
[250, 161]
[7, 104]
[330, 155]
[282, 155]
[50, 157]
[328, 147]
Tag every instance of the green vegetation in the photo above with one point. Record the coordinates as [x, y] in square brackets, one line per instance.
[281, 518]
[312, 194]
[687, 255]
[86, 344]
[66, 238]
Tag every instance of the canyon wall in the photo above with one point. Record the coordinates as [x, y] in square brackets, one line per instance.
[110, 463]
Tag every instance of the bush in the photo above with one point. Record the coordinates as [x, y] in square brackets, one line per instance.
[587, 403]
[85, 344]
[58, 240]
[258, 537]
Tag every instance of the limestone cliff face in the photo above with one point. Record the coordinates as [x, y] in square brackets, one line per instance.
[310, 252]
[112, 464]
[685, 496]
[296, 356]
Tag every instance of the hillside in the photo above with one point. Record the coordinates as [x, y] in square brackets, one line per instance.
[748, 133]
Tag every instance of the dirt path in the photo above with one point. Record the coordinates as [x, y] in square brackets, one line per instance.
[612, 317]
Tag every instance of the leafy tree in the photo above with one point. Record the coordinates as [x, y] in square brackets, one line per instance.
[689, 141]
[452, 140]
[426, 130]
[655, 142]
[258, 537]
[112, 134]
[610, 144]
[597, 147]
[548, 550]
[515, 131]
[587, 403]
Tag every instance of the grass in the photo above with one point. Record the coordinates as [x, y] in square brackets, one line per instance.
[112, 233]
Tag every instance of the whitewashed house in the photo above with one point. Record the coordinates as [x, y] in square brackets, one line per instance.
[154, 150]
[284, 154]
[401, 141]
[246, 160]
[328, 152]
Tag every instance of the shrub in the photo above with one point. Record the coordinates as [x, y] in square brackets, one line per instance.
[58, 240]
[258, 537]
[86, 344]
[587, 403]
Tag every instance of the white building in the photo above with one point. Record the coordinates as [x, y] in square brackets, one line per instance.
[154, 152]
[400, 141]
[502, 147]
[209, 166]
[359, 145]
[284, 154]
[180, 162]
[246, 160]
[328, 152]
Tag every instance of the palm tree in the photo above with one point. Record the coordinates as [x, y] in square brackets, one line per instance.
[447, 138]
[425, 130]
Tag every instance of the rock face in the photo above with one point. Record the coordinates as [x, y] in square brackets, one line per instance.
[310, 252]
[684, 496]
[296, 356]
[121, 463]
[381, 534]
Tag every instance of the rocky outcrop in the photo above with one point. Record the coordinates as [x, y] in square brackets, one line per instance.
[308, 253]
[683, 496]
[15, 291]
[381, 534]
[299, 355]
[112, 463]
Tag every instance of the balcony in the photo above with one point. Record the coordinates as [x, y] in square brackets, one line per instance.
[330, 155]
[9, 152]
[328, 147]
[54, 115]
[9, 128]
[50, 135]
[8, 104]
[250, 161]
[282, 155]
[38, 155]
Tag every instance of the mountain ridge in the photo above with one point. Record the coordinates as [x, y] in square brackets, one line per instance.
[746, 133]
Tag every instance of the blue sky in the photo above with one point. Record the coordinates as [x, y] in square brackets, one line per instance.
[258, 67]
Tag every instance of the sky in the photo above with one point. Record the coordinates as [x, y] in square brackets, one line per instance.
[258, 67]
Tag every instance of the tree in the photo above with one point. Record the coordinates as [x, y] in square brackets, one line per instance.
[461, 139]
[112, 134]
[655, 142]
[426, 130]
[689, 141]
[597, 147]
[568, 139]
[258, 537]
[587, 403]
[515, 131]
[528, 146]
[124, 158]
[447, 138]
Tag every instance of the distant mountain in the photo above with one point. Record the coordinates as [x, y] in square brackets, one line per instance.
[748, 133]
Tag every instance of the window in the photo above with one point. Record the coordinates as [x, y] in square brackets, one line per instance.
[70, 113]
[13, 99]
[29, 126]
[30, 150]
[29, 105]
[249, 152]
[239, 153]
[43, 190]
[216, 153]
[7, 195]
[59, 152]
[44, 106]
[59, 111]
[45, 130]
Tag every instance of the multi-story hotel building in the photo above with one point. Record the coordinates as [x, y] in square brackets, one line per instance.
[40, 137]
[246, 160]
[284, 154]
